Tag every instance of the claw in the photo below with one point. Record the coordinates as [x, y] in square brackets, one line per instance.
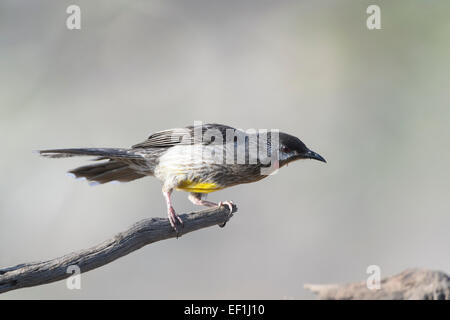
[174, 219]
[228, 204]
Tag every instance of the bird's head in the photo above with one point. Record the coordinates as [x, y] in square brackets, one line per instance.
[292, 148]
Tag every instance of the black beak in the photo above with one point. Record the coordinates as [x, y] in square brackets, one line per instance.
[312, 155]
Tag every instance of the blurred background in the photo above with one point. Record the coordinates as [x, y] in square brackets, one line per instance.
[374, 103]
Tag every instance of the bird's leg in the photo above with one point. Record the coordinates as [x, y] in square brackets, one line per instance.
[171, 211]
[196, 198]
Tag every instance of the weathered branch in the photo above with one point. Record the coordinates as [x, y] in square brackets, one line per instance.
[138, 235]
[411, 284]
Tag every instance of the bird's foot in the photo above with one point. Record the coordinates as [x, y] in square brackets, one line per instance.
[174, 219]
[229, 205]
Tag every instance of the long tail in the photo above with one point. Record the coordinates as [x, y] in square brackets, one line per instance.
[106, 153]
[106, 172]
[116, 169]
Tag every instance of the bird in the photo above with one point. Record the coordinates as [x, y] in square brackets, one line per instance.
[199, 159]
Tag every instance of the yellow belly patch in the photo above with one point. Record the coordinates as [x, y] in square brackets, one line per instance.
[200, 187]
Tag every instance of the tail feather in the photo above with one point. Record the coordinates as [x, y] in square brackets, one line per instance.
[106, 172]
[109, 153]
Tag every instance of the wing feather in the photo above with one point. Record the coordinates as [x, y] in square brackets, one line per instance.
[180, 136]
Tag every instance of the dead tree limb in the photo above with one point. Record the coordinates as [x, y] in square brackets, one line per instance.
[138, 235]
[411, 284]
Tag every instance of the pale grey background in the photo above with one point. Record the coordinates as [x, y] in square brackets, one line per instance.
[375, 104]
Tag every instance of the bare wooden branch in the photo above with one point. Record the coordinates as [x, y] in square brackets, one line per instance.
[411, 284]
[138, 235]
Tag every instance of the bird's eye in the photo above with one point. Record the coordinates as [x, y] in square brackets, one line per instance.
[285, 149]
